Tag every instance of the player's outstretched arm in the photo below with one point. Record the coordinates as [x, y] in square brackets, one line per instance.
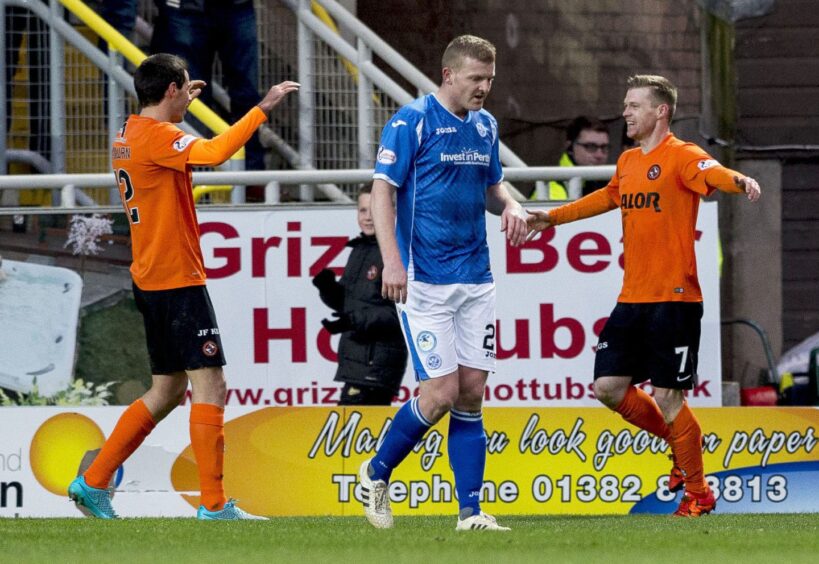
[219, 149]
[394, 276]
[599, 201]
[726, 180]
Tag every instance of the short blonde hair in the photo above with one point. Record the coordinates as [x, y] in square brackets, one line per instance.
[662, 91]
[467, 46]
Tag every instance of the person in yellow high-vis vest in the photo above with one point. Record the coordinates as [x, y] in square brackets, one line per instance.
[587, 144]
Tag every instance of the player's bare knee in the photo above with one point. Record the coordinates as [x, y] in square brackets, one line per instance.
[669, 401]
[608, 393]
[436, 402]
[441, 405]
[178, 395]
[470, 400]
[209, 385]
[219, 384]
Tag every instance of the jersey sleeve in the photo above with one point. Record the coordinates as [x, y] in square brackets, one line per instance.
[723, 179]
[495, 168]
[171, 146]
[694, 166]
[400, 140]
[600, 201]
[215, 151]
[589, 205]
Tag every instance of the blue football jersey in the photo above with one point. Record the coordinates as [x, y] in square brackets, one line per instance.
[441, 166]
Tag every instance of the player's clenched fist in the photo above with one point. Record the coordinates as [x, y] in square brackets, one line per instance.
[277, 93]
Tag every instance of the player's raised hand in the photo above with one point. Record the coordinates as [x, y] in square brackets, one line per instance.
[749, 186]
[276, 94]
[513, 222]
[537, 221]
[195, 89]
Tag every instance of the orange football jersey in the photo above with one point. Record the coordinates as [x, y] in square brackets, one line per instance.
[150, 160]
[659, 196]
[152, 164]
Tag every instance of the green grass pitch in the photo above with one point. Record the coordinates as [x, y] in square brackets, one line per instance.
[784, 538]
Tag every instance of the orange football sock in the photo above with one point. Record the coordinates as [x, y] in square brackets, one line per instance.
[131, 429]
[638, 408]
[208, 442]
[686, 444]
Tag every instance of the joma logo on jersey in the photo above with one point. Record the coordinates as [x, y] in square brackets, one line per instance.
[442, 130]
[641, 200]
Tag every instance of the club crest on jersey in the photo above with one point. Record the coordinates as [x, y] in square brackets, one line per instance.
[706, 164]
[385, 156]
[654, 172]
[434, 361]
[182, 142]
[210, 348]
[426, 341]
[372, 272]
[481, 129]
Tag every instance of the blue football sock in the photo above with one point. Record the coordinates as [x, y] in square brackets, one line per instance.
[408, 427]
[467, 455]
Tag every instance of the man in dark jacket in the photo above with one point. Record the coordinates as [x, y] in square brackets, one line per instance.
[372, 356]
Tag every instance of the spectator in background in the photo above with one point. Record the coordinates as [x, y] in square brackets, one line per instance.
[587, 144]
[198, 30]
[372, 356]
[121, 14]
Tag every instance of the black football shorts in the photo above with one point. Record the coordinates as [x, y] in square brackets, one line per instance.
[651, 341]
[181, 329]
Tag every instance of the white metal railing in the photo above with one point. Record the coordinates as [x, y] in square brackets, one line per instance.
[273, 180]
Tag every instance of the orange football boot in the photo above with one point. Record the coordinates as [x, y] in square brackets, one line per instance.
[696, 506]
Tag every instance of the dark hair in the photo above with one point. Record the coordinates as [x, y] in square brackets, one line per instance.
[467, 46]
[155, 74]
[364, 189]
[581, 123]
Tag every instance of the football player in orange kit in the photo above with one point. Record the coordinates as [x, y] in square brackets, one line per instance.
[654, 331]
[152, 160]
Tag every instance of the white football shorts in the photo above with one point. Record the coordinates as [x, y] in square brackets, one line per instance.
[446, 325]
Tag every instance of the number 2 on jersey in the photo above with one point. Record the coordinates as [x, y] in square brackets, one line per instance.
[127, 192]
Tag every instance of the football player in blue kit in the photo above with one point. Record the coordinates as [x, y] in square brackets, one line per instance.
[440, 154]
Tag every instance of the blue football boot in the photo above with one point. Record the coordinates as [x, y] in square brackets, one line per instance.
[228, 513]
[96, 500]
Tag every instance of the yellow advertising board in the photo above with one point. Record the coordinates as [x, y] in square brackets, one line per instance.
[304, 461]
[556, 461]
